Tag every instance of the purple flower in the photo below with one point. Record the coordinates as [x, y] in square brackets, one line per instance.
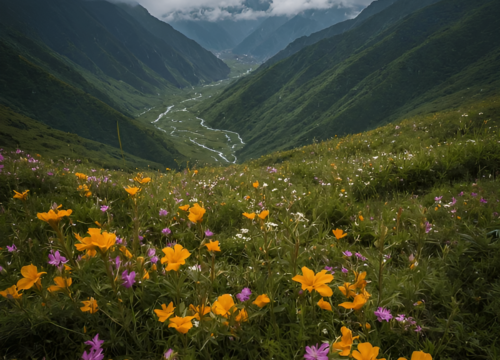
[93, 355]
[154, 259]
[163, 212]
[104, 208]
[344, 270]
[119, 240]
[401, 317]
[461, 193]
[244, 295]
[95, 343]
[330, 269]
[428, 227]
[170, 354]
[453, 201]
[483, 201]
[171, 244]
[151, 252]
[57, 259]
[166, 231]
[317, 353]
[359, 256]
[50, 173]
[128, 279]
[208, 233]
[12, 248]
[383, 314]
[118, 261]
[438, 198]
[418, 329]
[347, 253]
[141, 238]
[473, 194]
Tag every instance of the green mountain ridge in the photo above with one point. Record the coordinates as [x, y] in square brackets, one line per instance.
[354, 81]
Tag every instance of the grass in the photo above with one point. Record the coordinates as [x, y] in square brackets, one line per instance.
[418, 201]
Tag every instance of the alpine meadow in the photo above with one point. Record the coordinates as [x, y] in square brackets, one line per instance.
[249, 179]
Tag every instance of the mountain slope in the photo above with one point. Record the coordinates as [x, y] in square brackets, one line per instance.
[353, 81]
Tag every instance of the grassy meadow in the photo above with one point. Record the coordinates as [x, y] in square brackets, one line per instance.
[377, 245]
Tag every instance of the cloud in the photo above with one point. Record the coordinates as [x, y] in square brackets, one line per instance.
[213, 10]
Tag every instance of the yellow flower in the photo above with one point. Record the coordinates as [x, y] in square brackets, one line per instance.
[146, 275]
[339, 234]
[242, 316]
[199, 311]
[344, 345]
[249, 216]
[31, 277]
[366, 352]
[317, 282]
[264, 214]
[165, 312]
[81, 176]
[61, 284]
[175, 257]
[181, 324]
[54, 216]
[86, 242]
[360, 280]
[213, 246]
[348, 290]
[196, 213]
[419, 355]
[359, 301]
[224, 305]
[324, 305]
[256, 184]
[90, 306]
[11, 293]
[262, 300]
[142, 180]
[132, 190]
[184, 207]
[125, 252]
[21, 196]
[103, 241]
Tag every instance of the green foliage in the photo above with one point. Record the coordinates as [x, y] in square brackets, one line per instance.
[430, 244]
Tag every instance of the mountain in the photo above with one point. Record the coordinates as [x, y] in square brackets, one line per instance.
[276, 32]
[430, 59]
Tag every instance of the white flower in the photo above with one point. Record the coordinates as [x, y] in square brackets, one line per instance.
[264, 185]
[274, 189]
[244, 231]
[239, 236]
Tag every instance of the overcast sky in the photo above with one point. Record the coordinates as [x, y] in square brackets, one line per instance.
[214, 9]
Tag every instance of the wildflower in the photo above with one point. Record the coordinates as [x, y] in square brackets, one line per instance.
[242, 316]
[213, 246]
[317, 282]
[223, 305]
[438, 199]
[339, 234]
[419, 355]
[104, 208]
[81, 176]
[249, 216]
[11, 293]
[90, 306]
[95, 352]
[262, 300]
[196, 213]
[163, 212]
[344, 270]
[347, 253]
[400, 317]
[165, 312]
[418, 329]
[473, 194]
[170, 355]
[208, 233]
[54, 216]
[141, 180]
[128, 279]
[324, 305]
[256, 184]
[348, 290]
[175, 257]
[383, 314]
[330, 269]
[428, 227]
[61, 284]
[166, 231]
[483, 201]
[244, 295]
[366, 352]
[358, 302]
[103, 240]
[132, 191]
[264, 214]
[95, 343]
[199, 311]
[12, 248]
[361, 218]
[31, 277]
[345, 344]
[360, 280]
[317, 353]
[21, 196]
[181, 324]
[184, 207]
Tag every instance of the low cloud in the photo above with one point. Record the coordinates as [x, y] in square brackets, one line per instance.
[214, 10]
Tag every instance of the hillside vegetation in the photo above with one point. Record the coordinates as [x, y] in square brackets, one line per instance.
[430, 60]
[400, 225]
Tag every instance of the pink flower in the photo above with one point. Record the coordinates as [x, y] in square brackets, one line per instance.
[483, 201]
[428, 227]
[166, 231]
[344, 270]
[317, 353]
[244, 295]
[383, 314]
[401, 317]
[347, 253]
[104, 208]
[163, 212]
[128, 279]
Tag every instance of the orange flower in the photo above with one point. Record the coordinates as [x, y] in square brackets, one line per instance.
[11, 293]
[348, 290]
[249, 216]
[359, 301]
[264, 214]
[360, 280]
[366, 352]
[199, 311]
[419, 355]
[81, 176]
[181, 324]
[54, 216]
[324, 305]
[196, 213]
[339, 234]
[102, 241]
[90, 306]
[344, 345]
[175, 257]
[61, 284]
[125, 252]
[242, 316]
[86, 242]
[132, 191]
[165, 312]
[184, 207]
[142, 180]
[262, 300]
[224, 305]
[21, 196]
[256, 184]
[31, 277]
[361, 218]
[213, 246]
[317, 282]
